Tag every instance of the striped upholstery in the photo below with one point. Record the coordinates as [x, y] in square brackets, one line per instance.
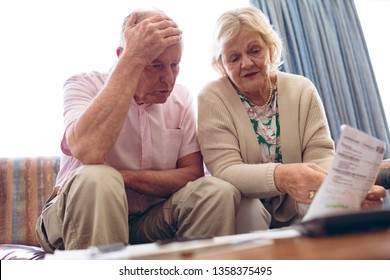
[25, 184]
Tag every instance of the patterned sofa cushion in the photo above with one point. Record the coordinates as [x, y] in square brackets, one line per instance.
[20, 252]
[25, 184]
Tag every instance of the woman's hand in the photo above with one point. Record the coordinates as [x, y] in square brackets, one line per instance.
[374, 198]
[299, 180]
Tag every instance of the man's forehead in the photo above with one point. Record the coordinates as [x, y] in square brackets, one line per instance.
[172, 53]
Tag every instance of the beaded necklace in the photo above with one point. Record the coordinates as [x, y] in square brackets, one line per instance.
[270, 91]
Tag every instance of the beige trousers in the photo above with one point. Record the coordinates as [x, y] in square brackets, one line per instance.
[252, 216]
[92, 210]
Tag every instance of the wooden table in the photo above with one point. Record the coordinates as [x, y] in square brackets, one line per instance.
[373, 245]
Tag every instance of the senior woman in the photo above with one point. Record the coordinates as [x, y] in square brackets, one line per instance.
[263, 130]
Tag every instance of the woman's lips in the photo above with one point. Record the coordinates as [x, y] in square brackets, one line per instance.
[250, 75]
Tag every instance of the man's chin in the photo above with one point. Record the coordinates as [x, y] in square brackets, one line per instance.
[162, 98]
[156, 98]
[159, 100]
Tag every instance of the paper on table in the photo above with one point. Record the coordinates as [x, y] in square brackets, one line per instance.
[353, 172]
[175, 250]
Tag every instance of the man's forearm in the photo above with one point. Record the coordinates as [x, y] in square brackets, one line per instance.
[162, 183]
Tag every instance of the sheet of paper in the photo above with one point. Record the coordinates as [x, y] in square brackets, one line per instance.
[353, 171]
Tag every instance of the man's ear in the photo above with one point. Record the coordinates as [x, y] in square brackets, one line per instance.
[119, 51]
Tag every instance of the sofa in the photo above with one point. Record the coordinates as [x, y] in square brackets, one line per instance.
[25, 184]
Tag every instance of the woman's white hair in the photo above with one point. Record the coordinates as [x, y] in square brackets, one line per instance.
[228, 26]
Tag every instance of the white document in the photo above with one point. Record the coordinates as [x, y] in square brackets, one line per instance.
[353, 172]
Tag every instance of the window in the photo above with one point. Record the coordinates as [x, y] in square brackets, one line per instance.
[375, 21]
[44, 42]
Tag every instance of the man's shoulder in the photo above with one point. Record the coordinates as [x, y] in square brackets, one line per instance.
[87, 78]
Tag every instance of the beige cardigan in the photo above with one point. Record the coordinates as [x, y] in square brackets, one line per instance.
[230, 148]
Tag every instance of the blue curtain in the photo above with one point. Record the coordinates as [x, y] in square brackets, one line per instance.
[324, 41]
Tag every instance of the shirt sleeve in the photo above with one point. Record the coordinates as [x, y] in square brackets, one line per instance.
[79, 92]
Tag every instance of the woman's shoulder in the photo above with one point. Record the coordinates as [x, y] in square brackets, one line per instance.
[293, 83]
[289, 78]
[215, 87]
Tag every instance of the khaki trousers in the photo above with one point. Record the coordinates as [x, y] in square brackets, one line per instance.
[91, 210]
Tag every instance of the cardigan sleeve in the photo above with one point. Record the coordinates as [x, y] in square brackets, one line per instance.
[317, 144]
[305, 133]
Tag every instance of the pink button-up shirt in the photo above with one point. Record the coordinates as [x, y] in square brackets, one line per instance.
[153, 136]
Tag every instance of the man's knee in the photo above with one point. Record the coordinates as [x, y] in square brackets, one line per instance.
[222, 189]
[252, 216]
[207, 206]
[209, 189]
[93, 198]
[98, 173]
[101, 178]
[215, 191]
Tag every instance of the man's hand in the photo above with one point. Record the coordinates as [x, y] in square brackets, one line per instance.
[148, 38]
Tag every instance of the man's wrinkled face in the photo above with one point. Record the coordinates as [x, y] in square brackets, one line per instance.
[158, 78]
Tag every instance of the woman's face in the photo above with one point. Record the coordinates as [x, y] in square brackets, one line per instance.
[245, 59]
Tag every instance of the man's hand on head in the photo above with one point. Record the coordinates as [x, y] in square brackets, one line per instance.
[148, 38]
